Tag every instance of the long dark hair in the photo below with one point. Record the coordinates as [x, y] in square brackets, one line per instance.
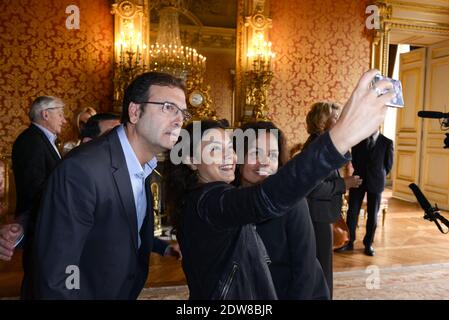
[262, 126]
[179, 179]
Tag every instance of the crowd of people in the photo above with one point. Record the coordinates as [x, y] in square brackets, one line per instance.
[250, 223]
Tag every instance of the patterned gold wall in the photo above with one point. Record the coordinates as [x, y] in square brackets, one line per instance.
[218, 76]
[40, 56]
[321, 48]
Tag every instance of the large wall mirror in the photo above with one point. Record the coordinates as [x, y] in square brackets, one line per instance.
[210, 28]
[220, 30]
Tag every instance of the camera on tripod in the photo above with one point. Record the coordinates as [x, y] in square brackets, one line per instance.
[444, 121]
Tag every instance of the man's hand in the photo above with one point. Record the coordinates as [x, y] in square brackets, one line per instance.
[173, 250]
[9, 235]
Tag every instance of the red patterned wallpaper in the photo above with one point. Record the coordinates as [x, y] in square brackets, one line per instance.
[218, 76]
[40, 56]
[321, 51]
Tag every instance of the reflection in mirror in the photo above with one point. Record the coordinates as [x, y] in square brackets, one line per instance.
[210, 28]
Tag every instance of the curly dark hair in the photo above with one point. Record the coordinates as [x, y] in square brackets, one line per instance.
[179, 179]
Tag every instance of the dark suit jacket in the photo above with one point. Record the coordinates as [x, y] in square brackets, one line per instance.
[33, 159]
[373, 166]
[88, 220]
[325, 199]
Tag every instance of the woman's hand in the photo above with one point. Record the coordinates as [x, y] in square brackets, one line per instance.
[362, 114]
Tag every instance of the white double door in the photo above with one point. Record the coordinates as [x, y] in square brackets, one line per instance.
[419, 154]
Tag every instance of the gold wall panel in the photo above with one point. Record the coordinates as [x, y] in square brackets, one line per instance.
[218, 75]
[40, 56]
[436, 141]
[411, 80]
[413, 56]
[439, 89]
[436, 174]
[409, 141]
[436, 197]
[321, 49]
[440, 52]
[406, 165]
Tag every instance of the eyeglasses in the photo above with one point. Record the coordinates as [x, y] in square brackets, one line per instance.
[171, 109]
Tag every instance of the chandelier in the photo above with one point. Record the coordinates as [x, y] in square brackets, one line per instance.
[169, 55]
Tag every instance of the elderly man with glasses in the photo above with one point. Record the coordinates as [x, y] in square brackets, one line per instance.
[34, 156]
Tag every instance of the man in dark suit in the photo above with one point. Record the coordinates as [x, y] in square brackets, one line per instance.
[95, 229]
[34, 156]
[372, 160]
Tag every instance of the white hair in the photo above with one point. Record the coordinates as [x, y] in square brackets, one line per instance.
[43, 103]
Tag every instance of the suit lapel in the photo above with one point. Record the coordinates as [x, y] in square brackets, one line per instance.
[123, 183]
[147, 226]
[379, 142]
[48, 144]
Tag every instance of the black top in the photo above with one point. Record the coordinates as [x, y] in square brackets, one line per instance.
[290, 242]
[215, 232]
[325, 200]
[33, 159]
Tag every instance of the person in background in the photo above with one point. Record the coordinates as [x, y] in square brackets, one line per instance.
[325, 200]
[372, 159]
[34, 156]
[83, 116]
[289, 239]
[80, 121]
[97, 125]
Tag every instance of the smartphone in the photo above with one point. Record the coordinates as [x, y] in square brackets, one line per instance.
[398, 100]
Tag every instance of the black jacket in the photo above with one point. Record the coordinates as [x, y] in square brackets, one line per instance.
[33, 159]
[290, 242]
[222, 256]
[88, 219]
[325, 200]
[373, 165]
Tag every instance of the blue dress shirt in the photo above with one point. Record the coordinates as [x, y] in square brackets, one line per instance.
[50, 136]
[137, 175]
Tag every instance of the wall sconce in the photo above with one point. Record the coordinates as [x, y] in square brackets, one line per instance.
[258, 74]
[130, 45]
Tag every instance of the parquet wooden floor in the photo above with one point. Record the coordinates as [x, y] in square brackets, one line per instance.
[406, 239]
